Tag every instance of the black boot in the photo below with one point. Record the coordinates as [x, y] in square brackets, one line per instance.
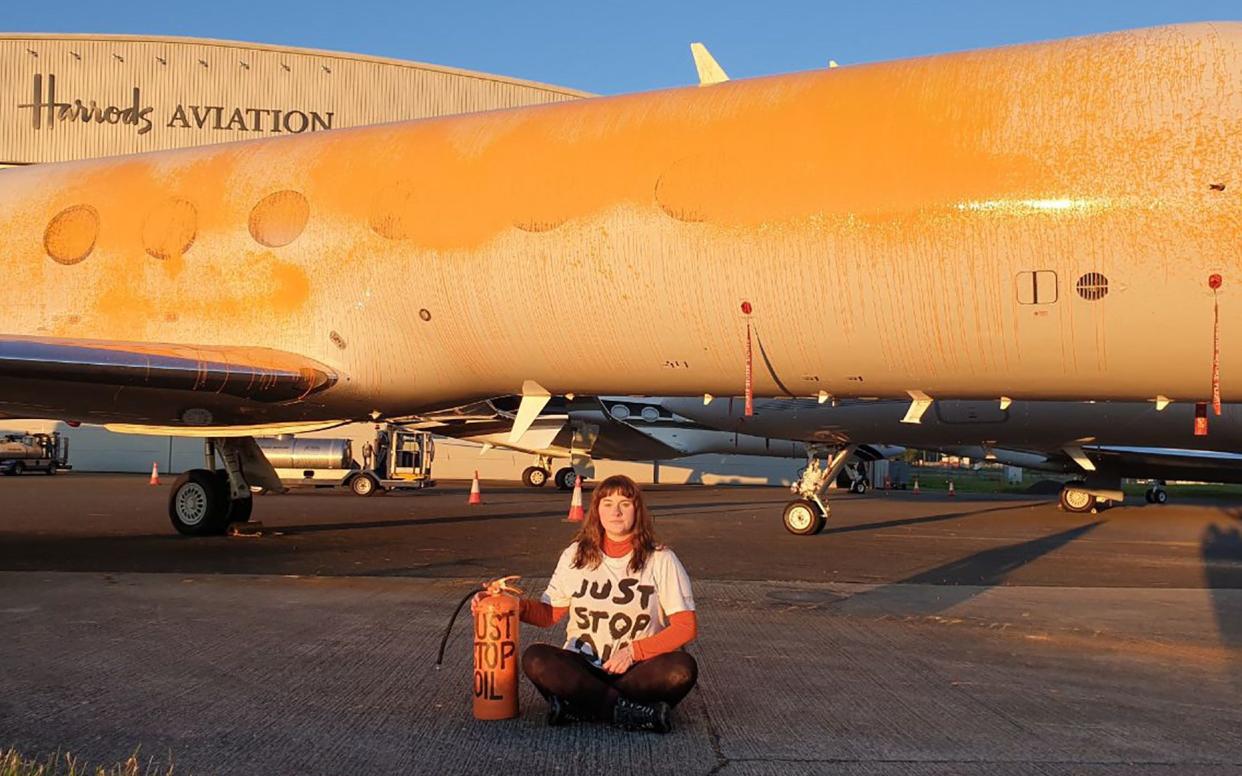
[632, 715]
[561, 713]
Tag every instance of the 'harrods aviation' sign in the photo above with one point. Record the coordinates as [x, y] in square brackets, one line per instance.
[47, 109]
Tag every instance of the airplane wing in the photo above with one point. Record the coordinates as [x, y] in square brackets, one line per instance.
[1170, 464]
[153, 384]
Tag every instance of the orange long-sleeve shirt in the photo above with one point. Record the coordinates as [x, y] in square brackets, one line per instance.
[682, 627]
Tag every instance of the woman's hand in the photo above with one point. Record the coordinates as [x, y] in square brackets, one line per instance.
[621, 661]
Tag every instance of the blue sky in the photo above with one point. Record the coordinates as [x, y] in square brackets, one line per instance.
[617, 46]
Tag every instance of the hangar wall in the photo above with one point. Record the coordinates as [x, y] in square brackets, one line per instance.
[69, 97]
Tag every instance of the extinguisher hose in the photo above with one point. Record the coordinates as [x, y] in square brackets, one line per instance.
[453, 619]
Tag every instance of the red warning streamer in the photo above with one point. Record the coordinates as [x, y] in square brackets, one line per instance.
[750, 370]
[1214, 282]
[750, 376]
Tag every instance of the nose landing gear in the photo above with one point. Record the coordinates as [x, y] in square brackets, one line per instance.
[808, 514]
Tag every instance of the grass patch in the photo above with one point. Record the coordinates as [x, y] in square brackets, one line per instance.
[13, 763]
[993, 481]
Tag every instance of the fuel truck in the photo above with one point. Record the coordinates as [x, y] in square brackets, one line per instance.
[399, 459]
[47, 453]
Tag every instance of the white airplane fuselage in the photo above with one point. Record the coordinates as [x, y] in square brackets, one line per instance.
[1034, 222]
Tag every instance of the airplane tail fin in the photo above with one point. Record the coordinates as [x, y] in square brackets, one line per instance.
[710, 71]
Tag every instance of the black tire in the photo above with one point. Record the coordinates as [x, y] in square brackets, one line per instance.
[1077, 500]
[239, 509]
[803, 517]
[51, 469]
[859, 487]
[534, 476]
[363, 485]
[1159, 496]
[1150, 496]
[197, 506]
[18, 468]
[565, 478]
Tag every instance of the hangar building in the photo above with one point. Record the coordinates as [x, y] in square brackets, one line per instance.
[69, 97]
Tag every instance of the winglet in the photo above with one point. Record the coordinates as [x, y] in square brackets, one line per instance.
[1076, 453]
[534, 398]
[710, 71]
[919, 404]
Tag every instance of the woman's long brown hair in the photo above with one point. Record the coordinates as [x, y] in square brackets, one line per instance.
[591, 535]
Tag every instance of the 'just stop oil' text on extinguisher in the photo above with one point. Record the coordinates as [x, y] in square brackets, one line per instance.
[496, 654]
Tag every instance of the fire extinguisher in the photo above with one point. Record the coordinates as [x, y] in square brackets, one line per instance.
[496, 654]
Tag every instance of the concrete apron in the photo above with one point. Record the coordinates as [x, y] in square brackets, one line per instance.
[267, 674]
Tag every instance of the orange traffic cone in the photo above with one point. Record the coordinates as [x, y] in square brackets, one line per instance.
[952, 490]
[576, 513]
[155, 474]
[916, 486]
[475, 496]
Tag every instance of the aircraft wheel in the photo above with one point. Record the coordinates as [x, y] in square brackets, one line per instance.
[17, 469]
[565, 478]
[51, 469]
[804, 518]
[1076, 500]
[197, 506]
[363, 485]
[858, 487]
[1159, 496]
[534, 476]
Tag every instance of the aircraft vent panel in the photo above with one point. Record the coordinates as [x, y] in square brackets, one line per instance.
[1092, 286]
[1039, 287]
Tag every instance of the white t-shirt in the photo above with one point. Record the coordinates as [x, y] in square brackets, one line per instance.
[609, 606]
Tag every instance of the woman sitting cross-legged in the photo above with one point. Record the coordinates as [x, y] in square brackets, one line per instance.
[630, 612]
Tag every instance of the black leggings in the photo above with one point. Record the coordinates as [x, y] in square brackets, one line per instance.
[571, 677]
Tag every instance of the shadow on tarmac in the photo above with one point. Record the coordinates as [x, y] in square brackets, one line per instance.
[961, 580]
[925, 519]
[1222, 567]
[294, 530]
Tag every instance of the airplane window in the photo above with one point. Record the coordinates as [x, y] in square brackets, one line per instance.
[620, 411]
[651, 414]
[1092, 286]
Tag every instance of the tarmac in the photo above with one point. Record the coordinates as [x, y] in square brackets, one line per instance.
[915, 635]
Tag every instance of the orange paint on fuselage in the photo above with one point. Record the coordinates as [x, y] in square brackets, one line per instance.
[907, 193]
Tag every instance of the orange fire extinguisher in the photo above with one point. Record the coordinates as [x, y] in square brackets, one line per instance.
[496, 654]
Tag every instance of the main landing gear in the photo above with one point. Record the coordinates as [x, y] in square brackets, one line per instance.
[1155, 493]
[204, 502]
[1079, 497]
[538, 475]
[535, 477]
[1076, 499]
[807, 514]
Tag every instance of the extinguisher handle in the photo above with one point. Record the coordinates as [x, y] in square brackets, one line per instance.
[503, 585]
